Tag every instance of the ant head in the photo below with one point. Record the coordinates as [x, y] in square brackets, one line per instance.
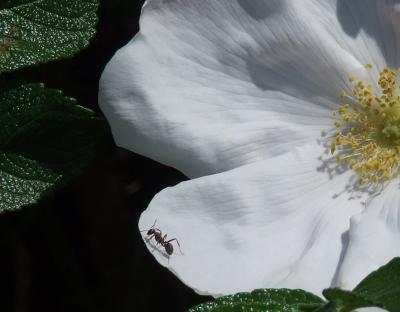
[169, 248]
[151, 232]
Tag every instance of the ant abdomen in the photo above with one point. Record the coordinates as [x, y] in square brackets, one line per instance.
[169, 249]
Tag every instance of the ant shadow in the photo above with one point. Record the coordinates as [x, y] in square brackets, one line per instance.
[156, 247]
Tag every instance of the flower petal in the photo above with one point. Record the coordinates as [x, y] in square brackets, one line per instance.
[208, 86]
[277, 223]
[374, 237]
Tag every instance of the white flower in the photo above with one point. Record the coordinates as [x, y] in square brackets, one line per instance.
[239, 95]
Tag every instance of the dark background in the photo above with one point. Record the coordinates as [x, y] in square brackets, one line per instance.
[80, 249]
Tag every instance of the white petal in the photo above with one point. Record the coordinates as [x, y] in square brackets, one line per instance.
[211, 85]
[277, 223]
[374, 237]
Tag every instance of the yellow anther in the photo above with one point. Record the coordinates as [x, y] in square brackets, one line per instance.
[368, 133]
[333, 148]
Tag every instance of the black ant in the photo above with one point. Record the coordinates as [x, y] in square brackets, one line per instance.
[157, 234]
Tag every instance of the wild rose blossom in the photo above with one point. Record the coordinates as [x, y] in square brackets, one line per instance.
[286, 116]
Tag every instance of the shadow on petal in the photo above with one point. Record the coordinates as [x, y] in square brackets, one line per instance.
[378, 19]
[292, 82]
[261, 9]
[330, 165]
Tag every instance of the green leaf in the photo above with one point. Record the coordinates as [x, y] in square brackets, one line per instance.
[344, 301]
[380, 289]
[45, 139]
[263, 300]
[33, 32]
[328, 307]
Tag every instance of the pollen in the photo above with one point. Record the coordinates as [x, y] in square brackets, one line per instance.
[367, 123]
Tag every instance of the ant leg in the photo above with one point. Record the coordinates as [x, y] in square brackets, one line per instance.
[155, 246]
[174, 239]
[150, 237]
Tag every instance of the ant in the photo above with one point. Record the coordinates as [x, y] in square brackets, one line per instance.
[157, 234]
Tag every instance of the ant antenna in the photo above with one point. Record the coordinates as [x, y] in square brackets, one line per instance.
[151, 226]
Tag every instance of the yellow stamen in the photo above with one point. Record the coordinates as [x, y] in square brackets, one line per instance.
[368, 130]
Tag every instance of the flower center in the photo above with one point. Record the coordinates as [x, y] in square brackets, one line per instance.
[367, 138]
